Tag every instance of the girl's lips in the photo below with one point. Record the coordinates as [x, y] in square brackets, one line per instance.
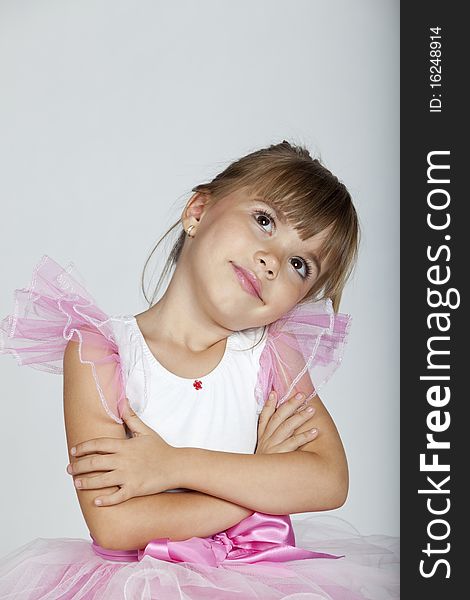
[248, 280]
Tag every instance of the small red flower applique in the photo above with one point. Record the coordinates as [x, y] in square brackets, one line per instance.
[197, 384]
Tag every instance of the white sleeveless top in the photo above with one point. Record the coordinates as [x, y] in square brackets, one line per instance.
[217, 411]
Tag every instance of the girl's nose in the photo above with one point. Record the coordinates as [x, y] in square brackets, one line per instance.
[270, 264]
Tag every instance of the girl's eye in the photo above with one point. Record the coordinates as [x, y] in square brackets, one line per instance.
[269, 217]
[308, 269]
[266, 215]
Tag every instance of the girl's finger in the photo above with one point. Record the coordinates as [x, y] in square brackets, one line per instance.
[306, 436]
[296, 420]
[296, 441]
[105, 445]
[88, 464]
[287, 428]
[111, 499]
[270, 404]
[97, 482]
[284, 411]
[268, 410]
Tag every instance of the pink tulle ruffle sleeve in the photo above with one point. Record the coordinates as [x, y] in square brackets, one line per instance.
[302, 350]
[57, 308]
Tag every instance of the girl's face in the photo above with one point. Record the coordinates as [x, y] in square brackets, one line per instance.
[243, 231]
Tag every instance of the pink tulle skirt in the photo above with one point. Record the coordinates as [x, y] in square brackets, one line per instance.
[52, 569]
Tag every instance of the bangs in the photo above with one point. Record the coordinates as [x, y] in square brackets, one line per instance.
[307, 204]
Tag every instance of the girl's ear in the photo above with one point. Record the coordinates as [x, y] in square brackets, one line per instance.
[195, 208]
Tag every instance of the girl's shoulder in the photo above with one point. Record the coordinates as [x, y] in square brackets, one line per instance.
[303, 349]
[54, 311]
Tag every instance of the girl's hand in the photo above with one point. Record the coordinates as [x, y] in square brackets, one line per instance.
[142, 465]
[276, 427]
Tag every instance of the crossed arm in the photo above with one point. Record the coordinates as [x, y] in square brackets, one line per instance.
[224, 487]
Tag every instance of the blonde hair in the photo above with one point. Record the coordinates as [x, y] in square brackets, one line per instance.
[306, 194]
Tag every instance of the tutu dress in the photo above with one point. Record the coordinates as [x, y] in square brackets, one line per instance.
[262, 557]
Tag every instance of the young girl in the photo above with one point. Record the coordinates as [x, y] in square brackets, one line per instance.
[186, 469]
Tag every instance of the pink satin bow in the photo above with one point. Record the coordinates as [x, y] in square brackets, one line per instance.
[260, 538]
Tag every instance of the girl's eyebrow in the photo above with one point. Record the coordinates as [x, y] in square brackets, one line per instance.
[280, 216]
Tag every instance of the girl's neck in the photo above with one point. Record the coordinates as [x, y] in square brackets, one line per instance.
[178, 321]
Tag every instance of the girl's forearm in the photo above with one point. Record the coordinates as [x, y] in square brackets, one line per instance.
[176, 515]
[282, 483]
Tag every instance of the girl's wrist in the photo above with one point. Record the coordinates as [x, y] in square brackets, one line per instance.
[180, 467]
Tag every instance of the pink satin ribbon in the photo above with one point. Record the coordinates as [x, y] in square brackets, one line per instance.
[260, 538]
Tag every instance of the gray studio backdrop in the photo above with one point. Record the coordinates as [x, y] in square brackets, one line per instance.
[110, 111]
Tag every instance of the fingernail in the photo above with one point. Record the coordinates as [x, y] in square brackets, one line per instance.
[78, 483]
[299, 396]
[69, 469]
[309, 409]
[73, 450]
[98, 502]
[313, 431]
